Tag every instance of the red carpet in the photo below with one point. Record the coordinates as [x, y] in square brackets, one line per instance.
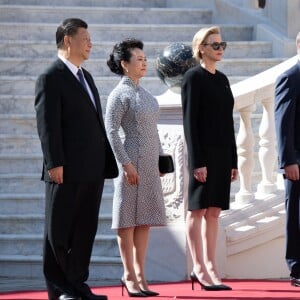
[242, 290]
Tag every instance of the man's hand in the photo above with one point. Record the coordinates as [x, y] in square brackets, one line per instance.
[234, 174]
[292, 172]
[56, 174]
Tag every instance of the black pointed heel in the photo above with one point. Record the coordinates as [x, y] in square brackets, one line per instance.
[150, 293]
[194, 278]
[130, 294]
[223, 287]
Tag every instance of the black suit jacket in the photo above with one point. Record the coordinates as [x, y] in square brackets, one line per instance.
[287, 116]
[71, 130]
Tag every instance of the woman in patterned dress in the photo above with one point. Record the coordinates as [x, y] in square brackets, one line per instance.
[207, 104]
[138, 198]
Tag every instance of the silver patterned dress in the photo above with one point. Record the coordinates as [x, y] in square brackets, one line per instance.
[135, 111]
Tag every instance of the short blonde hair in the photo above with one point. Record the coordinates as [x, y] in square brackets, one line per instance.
[200, 37]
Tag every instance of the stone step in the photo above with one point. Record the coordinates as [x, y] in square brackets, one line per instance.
[31, 183]
[24, 125]
[19, 124]
[44, 49]
[24, 104]
[16, 104]
[30, 266]
[20, 163]
[34, 224]
[32, 163]
[24, 85]
[35, 203]
[93, 3]
[247, 66]
[19, 143]
[21, 183]
[35, 66]
[105, 32]
[26, 203]
[98, 67]
[269, 206]
[20, 135]
[32, 244]
[105, 15]
[254, 228]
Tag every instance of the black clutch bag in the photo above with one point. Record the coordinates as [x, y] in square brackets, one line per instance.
[165, 164]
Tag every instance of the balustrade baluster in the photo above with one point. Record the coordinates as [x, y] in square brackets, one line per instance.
[245, 149]
[267, 151]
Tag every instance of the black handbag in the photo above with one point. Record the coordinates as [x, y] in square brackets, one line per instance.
[165, 164]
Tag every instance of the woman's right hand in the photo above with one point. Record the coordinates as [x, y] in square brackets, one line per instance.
[200, 174]
[131, 174]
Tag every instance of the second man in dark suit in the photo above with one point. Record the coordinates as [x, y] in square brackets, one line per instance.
[77, 158]
[287, 121]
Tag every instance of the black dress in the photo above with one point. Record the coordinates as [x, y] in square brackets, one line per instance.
[207, 104]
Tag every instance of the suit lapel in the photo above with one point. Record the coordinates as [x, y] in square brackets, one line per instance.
[70, 77]
[94, 90]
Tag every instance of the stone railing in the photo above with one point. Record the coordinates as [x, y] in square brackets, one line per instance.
[248, 94]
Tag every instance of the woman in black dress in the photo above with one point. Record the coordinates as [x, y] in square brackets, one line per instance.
[207, 104]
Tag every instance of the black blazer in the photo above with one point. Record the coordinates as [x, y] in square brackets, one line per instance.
[287, 116]
[71, 130]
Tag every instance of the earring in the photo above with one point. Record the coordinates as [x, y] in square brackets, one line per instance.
[126, 70]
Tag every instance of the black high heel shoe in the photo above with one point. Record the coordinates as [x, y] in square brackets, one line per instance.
[212, 287]
[150, 293]
[130, 294]
[223, 287]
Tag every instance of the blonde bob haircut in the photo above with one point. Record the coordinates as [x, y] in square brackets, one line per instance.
[200, 38]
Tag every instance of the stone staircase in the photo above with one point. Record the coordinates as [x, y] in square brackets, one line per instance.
[27, 30]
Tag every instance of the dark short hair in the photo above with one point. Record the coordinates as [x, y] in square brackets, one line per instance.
[122, 51]
[68, 27]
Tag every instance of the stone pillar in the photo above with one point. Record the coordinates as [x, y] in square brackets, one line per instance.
[267, 150]
[245, 149]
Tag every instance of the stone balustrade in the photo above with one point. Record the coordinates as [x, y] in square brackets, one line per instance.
[257, 90]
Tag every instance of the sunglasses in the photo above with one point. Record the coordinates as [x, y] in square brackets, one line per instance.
[217, 46]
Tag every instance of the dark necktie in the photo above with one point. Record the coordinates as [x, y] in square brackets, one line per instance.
[81, 79]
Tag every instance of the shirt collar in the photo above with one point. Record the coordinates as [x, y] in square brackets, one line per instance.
[71, 66]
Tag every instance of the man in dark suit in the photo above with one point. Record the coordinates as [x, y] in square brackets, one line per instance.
[287, 121]
[77, 158]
